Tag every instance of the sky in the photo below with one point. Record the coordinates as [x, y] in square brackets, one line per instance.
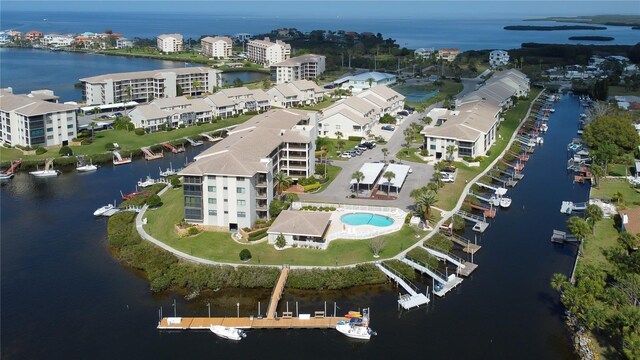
[347, 9]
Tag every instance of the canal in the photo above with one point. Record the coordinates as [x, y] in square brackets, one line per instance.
[64, 296]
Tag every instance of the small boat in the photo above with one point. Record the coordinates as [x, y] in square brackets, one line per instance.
[48, 170]
[505, 202]
[148, 182]
[356, 331]
[227, 332]
[6, 176]
[84, 167]
[100, 211]
[353, 314]
[540, 140]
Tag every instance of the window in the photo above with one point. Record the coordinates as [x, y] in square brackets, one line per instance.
[213, 212]
[191, 201]
[50, 137]
[240, 190]
[212, 188]
[212, 201]
[337, 127]
[242, 214]
[239, 179]
[70, 126]
[242, 202]
[224, 188]
[49, 129]
[70, 133]
[211, 177]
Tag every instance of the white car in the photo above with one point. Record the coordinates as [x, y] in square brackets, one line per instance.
[345, 155]
[447, 177]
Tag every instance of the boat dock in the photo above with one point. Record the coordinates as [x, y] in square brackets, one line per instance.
[467, 246]
[276, 294]
[150, 155]
[410, 300]
[172, 148]
[491, 201]
[465, 268]
[488, 213]
[193, 142]
[448, 282]
[569, 207]
[480, 226]
[561, 237]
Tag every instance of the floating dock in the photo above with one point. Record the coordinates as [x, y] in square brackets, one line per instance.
[448, 283]
[561, 237]
[480, 224]
[203, 323]
[568, 207]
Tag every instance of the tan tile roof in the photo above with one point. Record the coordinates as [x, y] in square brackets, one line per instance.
[386, 92]
[220, 100]
[145, 74]
[300, 59]
[30, 106]
[216, 39]
[307, 223]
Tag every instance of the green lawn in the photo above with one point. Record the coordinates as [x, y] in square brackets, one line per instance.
[608, 187]
[334, 151]
[619, 170]
[448, 196]
[605, 237]
[220, 246]
[622, 91]
[412, 157]
[332, 173]
[449, 88]
[326, 102]
[128, 140]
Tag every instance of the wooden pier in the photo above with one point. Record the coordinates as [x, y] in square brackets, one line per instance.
[277, 293]
[467, 246]
[203, 323]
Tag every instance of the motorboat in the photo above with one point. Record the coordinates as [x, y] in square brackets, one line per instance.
[148, 182]
[45, 173]
[6, 176]
[355, 330]
[227, 332]
[505, 202]
[84, 167]
[102, 210]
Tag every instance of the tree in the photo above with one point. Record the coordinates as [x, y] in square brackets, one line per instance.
[179, 90]
[408, 137]
[423, 201]
[154, 201]
[619, 197]
[128, 92]
[65, 151]
[612, 128]
[357, 176]
[385, 152]
[427, 120]
[376, 245]
[450, 150]
[437, 176]
[578, 227]
[370, 81]
[559, 282]
[280, 241]
[266, 84]
[628, 240]
[196, 84]
[283, 181]
[593, 213]
[237, 82]
[175, 181]
[339, 135]
[341, 144]
[245, 255]
[597, 172]
[389, 175]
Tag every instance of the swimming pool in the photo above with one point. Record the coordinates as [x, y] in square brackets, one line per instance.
[366, 219]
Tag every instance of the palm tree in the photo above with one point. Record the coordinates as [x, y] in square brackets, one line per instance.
[437, 176]
[385, 152]
[339, 135]
[423, 201]
[408, 137]
[196, 84]
[370, 81]
[357, 176]
[340, 144]
[323, 150]
[92, 125]
[129, 92]
[597, 172]
[283, 180]
[593, 213]
[450, 150]
[389, 175]
[619, 197]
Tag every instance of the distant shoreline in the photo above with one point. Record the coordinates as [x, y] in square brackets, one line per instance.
[553, 27]
[592, 38]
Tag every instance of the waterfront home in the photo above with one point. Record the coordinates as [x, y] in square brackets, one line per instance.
[425, 52]
[498, 58]
[471, 128]
[301, 228]
[123, 43]
[27, 120]
[170, 112]
[169, 43]
[295, 93]
[448, 54]
[231, 184]
[5, 38]
[222, 107]
[246, 99]
[364, 81]
[216, 47]
[630, 220]
[356, 115]
[57, 40]
[143, 86]
[33, 35]
[303, 67]
[265, 52]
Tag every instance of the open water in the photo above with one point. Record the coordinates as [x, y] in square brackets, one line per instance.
[64, 296]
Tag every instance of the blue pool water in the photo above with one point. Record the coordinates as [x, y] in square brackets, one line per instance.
[366, 219]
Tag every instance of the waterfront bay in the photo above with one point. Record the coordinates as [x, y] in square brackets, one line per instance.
[63, 295]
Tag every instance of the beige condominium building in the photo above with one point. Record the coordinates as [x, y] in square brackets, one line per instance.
[169, 43]
[304, 67]
[27, 120]
[231, 184]
[265, 52]
[143, 86]
[217, 47]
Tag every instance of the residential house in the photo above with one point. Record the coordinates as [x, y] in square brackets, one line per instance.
[303, 67]
[364, 81]
[33, 35]
[295, 93]
[448, 54]
[169, 43]
[217, 47]
[425, 52]
[170, 113]
[28, 120]
[248, 100]
[222, 106]
[123, 43]
[265, 52]
[388, 100]
[231, 184]
[302, 228]
[498, 58]
[143, 86]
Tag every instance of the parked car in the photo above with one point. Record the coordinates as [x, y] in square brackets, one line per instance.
[449, 169]
[447, 177]
[410, 109]
[388, 127]
[355, 151]
[362, 146]
[345, 155]
[403, 113]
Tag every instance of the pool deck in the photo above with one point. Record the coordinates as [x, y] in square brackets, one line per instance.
[340, 230]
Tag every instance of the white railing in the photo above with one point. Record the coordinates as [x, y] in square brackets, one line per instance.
[297, 205]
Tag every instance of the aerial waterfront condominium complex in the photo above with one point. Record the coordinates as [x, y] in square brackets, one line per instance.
[218, 47]
[265, 52]
[27, 120]
[303, 67]
[169, 43]
[143, 86]
[231, 184]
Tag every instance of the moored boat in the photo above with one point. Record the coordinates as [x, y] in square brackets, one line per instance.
[505, 202]
[356, 327]
[103, 209]
[227, 332]
[119, 160]
[84, 167]
[148, 182]
[48, 170]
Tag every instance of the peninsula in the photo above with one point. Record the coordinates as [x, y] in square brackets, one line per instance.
[553, 28]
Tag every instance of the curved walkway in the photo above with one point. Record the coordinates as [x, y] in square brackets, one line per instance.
[445, 216]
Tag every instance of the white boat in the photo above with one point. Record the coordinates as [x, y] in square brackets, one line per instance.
[540, 140]
[84, 167]
[505, 202]
[227, 332]
[48, 170]
[104, 209]
[544, 127]
[354, 330]
[148, 182]
[4, 176]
